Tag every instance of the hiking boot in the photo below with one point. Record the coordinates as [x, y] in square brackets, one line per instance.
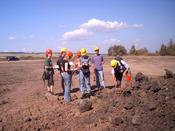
[101, 88]
[88, 95]
[52, 93]
[83, 96]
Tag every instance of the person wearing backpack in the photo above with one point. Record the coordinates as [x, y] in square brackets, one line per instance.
[118, 69]
[59, 63]
[124, 66]
[66, 73]
[49, 71]
[126, 69]
[97, 61]
[84, 73]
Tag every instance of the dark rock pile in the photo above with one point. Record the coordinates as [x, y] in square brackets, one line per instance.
[149, 105]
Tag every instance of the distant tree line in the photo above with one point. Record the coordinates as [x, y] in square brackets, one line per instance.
[168, 49]
[121, 50]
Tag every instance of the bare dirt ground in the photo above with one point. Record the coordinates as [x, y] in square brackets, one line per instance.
[25, 104]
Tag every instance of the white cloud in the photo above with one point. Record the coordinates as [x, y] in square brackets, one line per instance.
[112, 41]
[89, 27]
[11, 38]
[107, 25]
[31, 36]
[137, 25]
[76, 34]
[24, 49]
[5, 50]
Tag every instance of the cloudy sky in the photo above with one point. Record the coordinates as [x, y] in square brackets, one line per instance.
[34, 25]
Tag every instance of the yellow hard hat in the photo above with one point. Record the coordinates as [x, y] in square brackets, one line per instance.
[63, 49]
[114, 63]
[96, 49]
[83, 51]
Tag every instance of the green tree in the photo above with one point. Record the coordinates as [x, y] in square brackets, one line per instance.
[117, 50]
[163, 50]
[142, 51]
[110, 51]
[170, 48]
[132, 50]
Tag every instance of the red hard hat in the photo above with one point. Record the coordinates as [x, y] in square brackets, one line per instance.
[69, 54]
[78, 54]
[48, 51]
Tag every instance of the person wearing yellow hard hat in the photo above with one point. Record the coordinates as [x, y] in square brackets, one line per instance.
[83, 51]
[126, 70]
[48, 71]
[119, 67]
[98, 62]
[59, 63]
[63, 49]
[84, 73]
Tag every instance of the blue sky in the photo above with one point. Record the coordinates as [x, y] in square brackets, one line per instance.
[34, 25]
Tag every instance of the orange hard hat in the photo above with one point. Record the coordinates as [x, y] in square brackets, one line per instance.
[48, 51]
[69, 54]
[78, 54]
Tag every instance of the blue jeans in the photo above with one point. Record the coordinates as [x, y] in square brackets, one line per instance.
[99, 75]
[67, 80]
[78, 78]
[84, 82]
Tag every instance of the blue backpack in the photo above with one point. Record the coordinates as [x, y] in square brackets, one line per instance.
[122, 67]
[84, 62]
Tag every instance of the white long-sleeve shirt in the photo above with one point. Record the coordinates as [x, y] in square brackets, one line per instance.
[124, 63]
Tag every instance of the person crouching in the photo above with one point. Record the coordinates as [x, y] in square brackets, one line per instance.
[117, 72]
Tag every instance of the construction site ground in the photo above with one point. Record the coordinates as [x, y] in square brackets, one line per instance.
[26, 105]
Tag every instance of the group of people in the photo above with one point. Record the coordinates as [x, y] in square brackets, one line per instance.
[81, 67]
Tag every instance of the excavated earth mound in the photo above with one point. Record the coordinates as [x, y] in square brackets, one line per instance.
[148, 105]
